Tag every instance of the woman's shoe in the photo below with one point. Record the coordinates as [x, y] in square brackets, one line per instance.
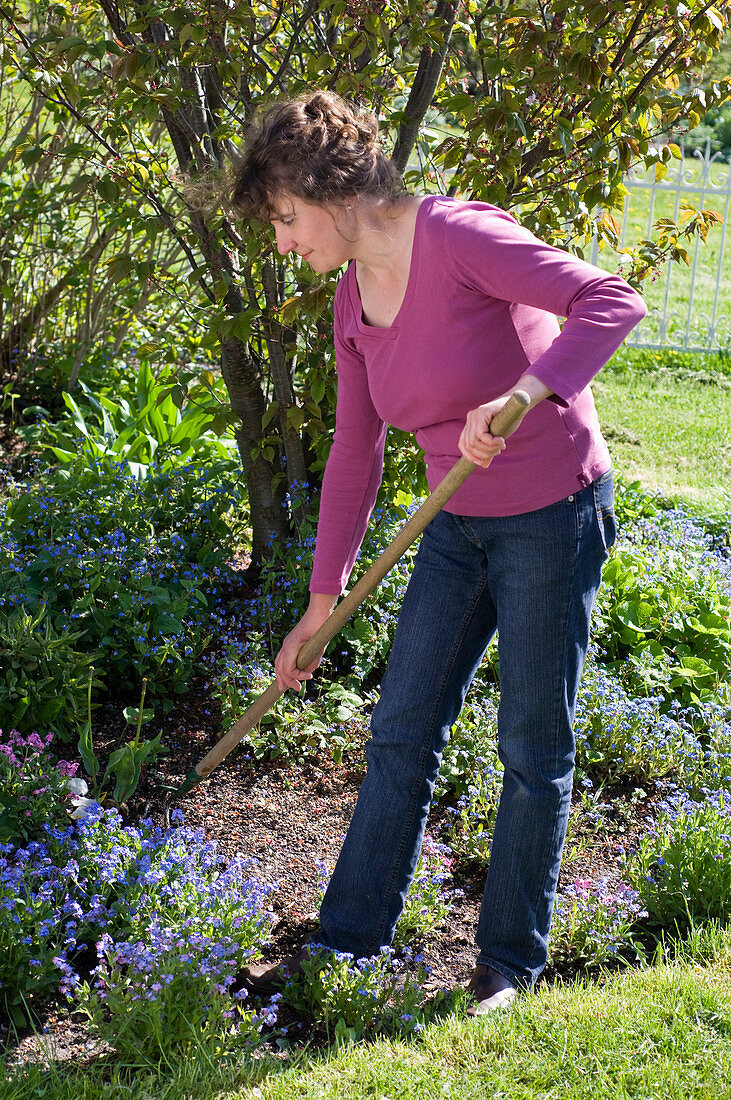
[490, 990]
[267, 978]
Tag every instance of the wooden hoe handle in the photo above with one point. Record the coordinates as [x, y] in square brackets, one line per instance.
[512, 412]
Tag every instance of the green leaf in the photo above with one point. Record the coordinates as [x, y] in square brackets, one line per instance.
[108, 189]
[119, 268]
[695, 669]
[269, 414]
[636, 615]
[32, 155]
[76, 414]
[70, 43]
[126, 769]
[317, 388]
[168, 624]
[87, 754]
[132, 715]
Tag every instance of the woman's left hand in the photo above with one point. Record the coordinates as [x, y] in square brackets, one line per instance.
[475, 442]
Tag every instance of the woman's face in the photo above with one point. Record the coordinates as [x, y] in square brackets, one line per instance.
[312, 231]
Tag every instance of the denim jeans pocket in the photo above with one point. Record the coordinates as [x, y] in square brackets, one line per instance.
[603, 490]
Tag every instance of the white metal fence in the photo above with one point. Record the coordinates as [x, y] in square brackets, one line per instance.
[687, 306]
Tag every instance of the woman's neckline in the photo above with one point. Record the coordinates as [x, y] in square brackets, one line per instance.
[410, 280]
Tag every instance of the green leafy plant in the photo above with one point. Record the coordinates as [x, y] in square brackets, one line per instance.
[468, 831]
[42, 672]
[631, 501]
[171, 921]
[342, 715]
[428, 901]
[33, 787]
[352, 998]
[593, 923]
[473, 741]
[165, 423]
[128, 571]
[29, 942]
[85, 744]
[328, 719]
[126, 762]
[663, 604]
[681, 867]
[621, 735]
[147, 1014]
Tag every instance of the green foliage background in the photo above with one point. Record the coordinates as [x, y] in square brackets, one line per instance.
[121, 122]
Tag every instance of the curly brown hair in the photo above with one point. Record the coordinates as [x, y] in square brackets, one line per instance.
[317, 147]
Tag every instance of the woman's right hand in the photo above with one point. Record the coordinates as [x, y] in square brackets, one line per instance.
[285, 664]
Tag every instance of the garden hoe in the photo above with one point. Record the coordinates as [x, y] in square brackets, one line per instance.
[512, 411]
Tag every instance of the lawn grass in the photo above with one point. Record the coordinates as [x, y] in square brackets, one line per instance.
[662, 1032]
[668, 428]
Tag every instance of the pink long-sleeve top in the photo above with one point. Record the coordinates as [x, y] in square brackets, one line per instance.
[480, 310]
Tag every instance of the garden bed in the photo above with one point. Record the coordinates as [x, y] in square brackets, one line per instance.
[144, 924]
[291, 819]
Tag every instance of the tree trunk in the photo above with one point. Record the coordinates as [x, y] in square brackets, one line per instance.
[274, 334]
[425, 84]
[269, 520]
[189, 132]
[268, 514]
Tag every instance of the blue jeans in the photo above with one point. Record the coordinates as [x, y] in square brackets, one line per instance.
[534, 578]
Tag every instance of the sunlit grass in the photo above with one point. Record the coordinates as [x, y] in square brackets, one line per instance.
[668, 431]
[661, 1032]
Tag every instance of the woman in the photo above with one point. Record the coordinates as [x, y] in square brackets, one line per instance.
[445, 308]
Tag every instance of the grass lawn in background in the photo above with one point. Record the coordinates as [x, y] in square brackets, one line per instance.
[655, 412]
